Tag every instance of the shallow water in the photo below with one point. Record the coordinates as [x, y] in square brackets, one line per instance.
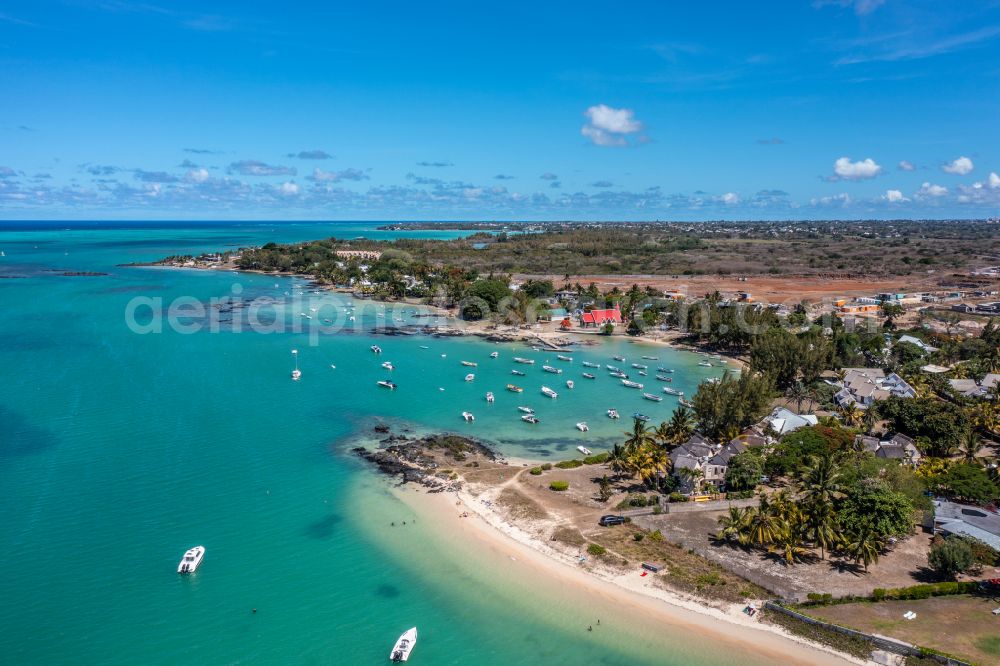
[118, 451]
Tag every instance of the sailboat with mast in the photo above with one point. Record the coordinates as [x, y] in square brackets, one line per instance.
[296, 373]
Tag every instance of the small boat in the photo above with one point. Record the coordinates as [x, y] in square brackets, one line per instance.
[468, 416]
[564, 358]
[376, 349]
[640, 417]
[583, 427]
[388, 365]
[528, 361]
[588, 375]
[526, 410]
[619, 358]
[686, 403]
[613, 368]
[191, 560]
[670, 391]
[705, 364]
[549, 392]
[652, 358]
[469, 377]
[424, 347]
[529, 418]
[716, 357]
[494, 354]
[589, 364]
[470, 364]
[296, 373]
[549, 368]
[643, 373]
[613, 414]
[489, 396]
[517, 372]
[639, 366]
[303, 314]
[404, 646]
[384, 383]
[619, 374]
[626, 383]
[514, 389]
[570, 384]
[667, 370]
[653, 397]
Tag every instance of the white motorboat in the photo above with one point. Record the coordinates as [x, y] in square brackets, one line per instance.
[705, 364]
[376, 349]
[652, 358]
[526, 410]
[494, 354]
[639, 366]
[529, 418]
[514, 388]
[686, 403]
[424, 347]
[388, 365]
[589, 364]
[662, 369]
[640, 417]
[570, 384]
[613, 368]
[469, 377]
[470, 364]
[588, 375]
[384, 383]
[626, 383]
[613, 414]
[404, 645]
[664, 378]
[564, 358]
[643, 373]
[191, 560]
[517, 372]
[549, 368]
[489, 396]
[583, 427]
[296, 373]
[619, 374]
[527, 361]
[619, 358]
[672, 391]
[549, 392]
[653, 397]
[468, 416]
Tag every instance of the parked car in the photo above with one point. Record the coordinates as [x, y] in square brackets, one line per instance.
[608, 521]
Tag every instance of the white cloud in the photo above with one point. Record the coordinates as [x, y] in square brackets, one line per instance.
[860, 170]
[994, 181]
[730, 198]
[894, 196]
[196, 175]
[930, 190]
[905, 165]
[608, 126]
[320, 176]
[960, 166]
[842, 199]
[289, 189]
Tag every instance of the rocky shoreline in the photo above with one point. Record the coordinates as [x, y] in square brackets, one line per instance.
[426, 460]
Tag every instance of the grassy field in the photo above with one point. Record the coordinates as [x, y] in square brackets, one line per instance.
[961, 625]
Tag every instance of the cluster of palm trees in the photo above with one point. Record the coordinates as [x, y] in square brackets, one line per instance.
[792, 525]
[645, 453]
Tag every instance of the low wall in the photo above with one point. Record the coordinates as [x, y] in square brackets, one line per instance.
[714, 505]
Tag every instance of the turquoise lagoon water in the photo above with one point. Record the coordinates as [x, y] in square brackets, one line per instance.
[120, 450]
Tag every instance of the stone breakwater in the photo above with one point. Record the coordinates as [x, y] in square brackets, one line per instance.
[428, 461]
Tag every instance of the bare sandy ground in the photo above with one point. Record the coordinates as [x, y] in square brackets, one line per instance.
[631, 593]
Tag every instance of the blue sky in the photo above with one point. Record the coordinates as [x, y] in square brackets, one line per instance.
[463, 110]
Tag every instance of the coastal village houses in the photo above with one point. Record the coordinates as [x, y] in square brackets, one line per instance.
[864, 386]
[601, 317]
[899, 447]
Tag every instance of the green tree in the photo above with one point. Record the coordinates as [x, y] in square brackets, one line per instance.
[864, 546]
[733, 526]
[875, 509]
[950, 557]
[966, 482]
[732, 403]
[744, 471]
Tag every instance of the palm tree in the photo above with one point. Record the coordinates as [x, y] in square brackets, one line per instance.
[638, 438]
[821, 527]
[869, 419]
[788, 545]
[819, 481]
[618, 460]
[851, 414]
[650, 463]
[864, 547]
[762, 525]
[733, 526]
[682, 423]
[969, 446]
[797, 393]
[665, 434]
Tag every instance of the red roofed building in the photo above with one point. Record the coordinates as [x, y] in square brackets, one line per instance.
[601, 317]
